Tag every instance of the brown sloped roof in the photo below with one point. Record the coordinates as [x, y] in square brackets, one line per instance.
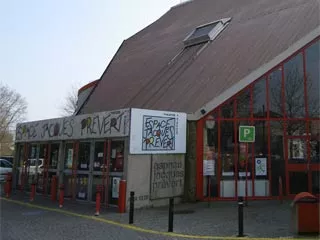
[140, 74]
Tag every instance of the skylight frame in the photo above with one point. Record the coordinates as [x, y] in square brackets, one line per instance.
[210, 36]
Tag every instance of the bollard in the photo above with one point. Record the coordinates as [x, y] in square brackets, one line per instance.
[33, 191]
[122, 196]
[170, 223]
[8, 185]
[54, 188]
[131, 210]
[240, 217]
[61, 196]
[98, 200]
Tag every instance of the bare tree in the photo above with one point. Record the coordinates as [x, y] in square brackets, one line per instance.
[7, 144]
[13, 108]
[70, 103]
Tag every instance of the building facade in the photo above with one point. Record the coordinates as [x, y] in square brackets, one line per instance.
[238, 63]
[283, 105]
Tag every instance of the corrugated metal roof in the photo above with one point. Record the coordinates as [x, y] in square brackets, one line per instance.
[143, 75]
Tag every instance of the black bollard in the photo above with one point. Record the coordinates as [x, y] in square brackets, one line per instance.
[170, 224]
[240, 216]
[131, 208]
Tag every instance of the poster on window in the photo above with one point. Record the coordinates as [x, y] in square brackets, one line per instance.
[261, 167]
[208, 167]
[297, 149]
[115, 187]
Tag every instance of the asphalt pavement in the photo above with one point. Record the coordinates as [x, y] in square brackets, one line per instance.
[42, 219]
[20, 222]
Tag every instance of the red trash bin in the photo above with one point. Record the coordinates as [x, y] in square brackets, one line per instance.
[306, 213]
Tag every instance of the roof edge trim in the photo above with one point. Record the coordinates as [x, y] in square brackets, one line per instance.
[254, 75]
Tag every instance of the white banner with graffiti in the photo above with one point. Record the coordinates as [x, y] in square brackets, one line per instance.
[96, 125]
[157, 132]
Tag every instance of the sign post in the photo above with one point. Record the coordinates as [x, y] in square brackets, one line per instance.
[247, 134]
[208, 170]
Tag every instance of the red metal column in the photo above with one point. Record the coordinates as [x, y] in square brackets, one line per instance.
[219, 157]
[246, 180]
[269, 135]
[307, 122]
[235, 159]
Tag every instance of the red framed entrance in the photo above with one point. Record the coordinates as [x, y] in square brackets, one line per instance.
[284, 106]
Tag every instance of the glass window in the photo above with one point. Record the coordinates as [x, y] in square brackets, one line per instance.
[313, 79]
[211, 132]
[32, 151]
[243, 104]
[5, 164]
[84, 155]
[227, 149]
[68, 155]
[314, 141]
[54, 156]
[277, 156]
[41, 166]
[227, 109]
[47, 182]
[296, 128]
[68, 181]
[42, 163]
[117, 156]
[298, 182]
[259, 98]
[98, 156]
[82, 187]
[294, 87]
[261, 141]
[275, 102]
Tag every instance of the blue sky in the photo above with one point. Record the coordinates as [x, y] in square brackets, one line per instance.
[46, 47]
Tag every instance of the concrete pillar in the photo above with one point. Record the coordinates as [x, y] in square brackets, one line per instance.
[191, 162]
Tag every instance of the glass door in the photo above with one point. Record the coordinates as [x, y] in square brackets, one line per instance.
[83, 167]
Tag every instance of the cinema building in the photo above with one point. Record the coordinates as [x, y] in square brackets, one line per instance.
[221, 64]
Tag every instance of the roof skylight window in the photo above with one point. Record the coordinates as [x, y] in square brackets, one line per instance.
[206, 32]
